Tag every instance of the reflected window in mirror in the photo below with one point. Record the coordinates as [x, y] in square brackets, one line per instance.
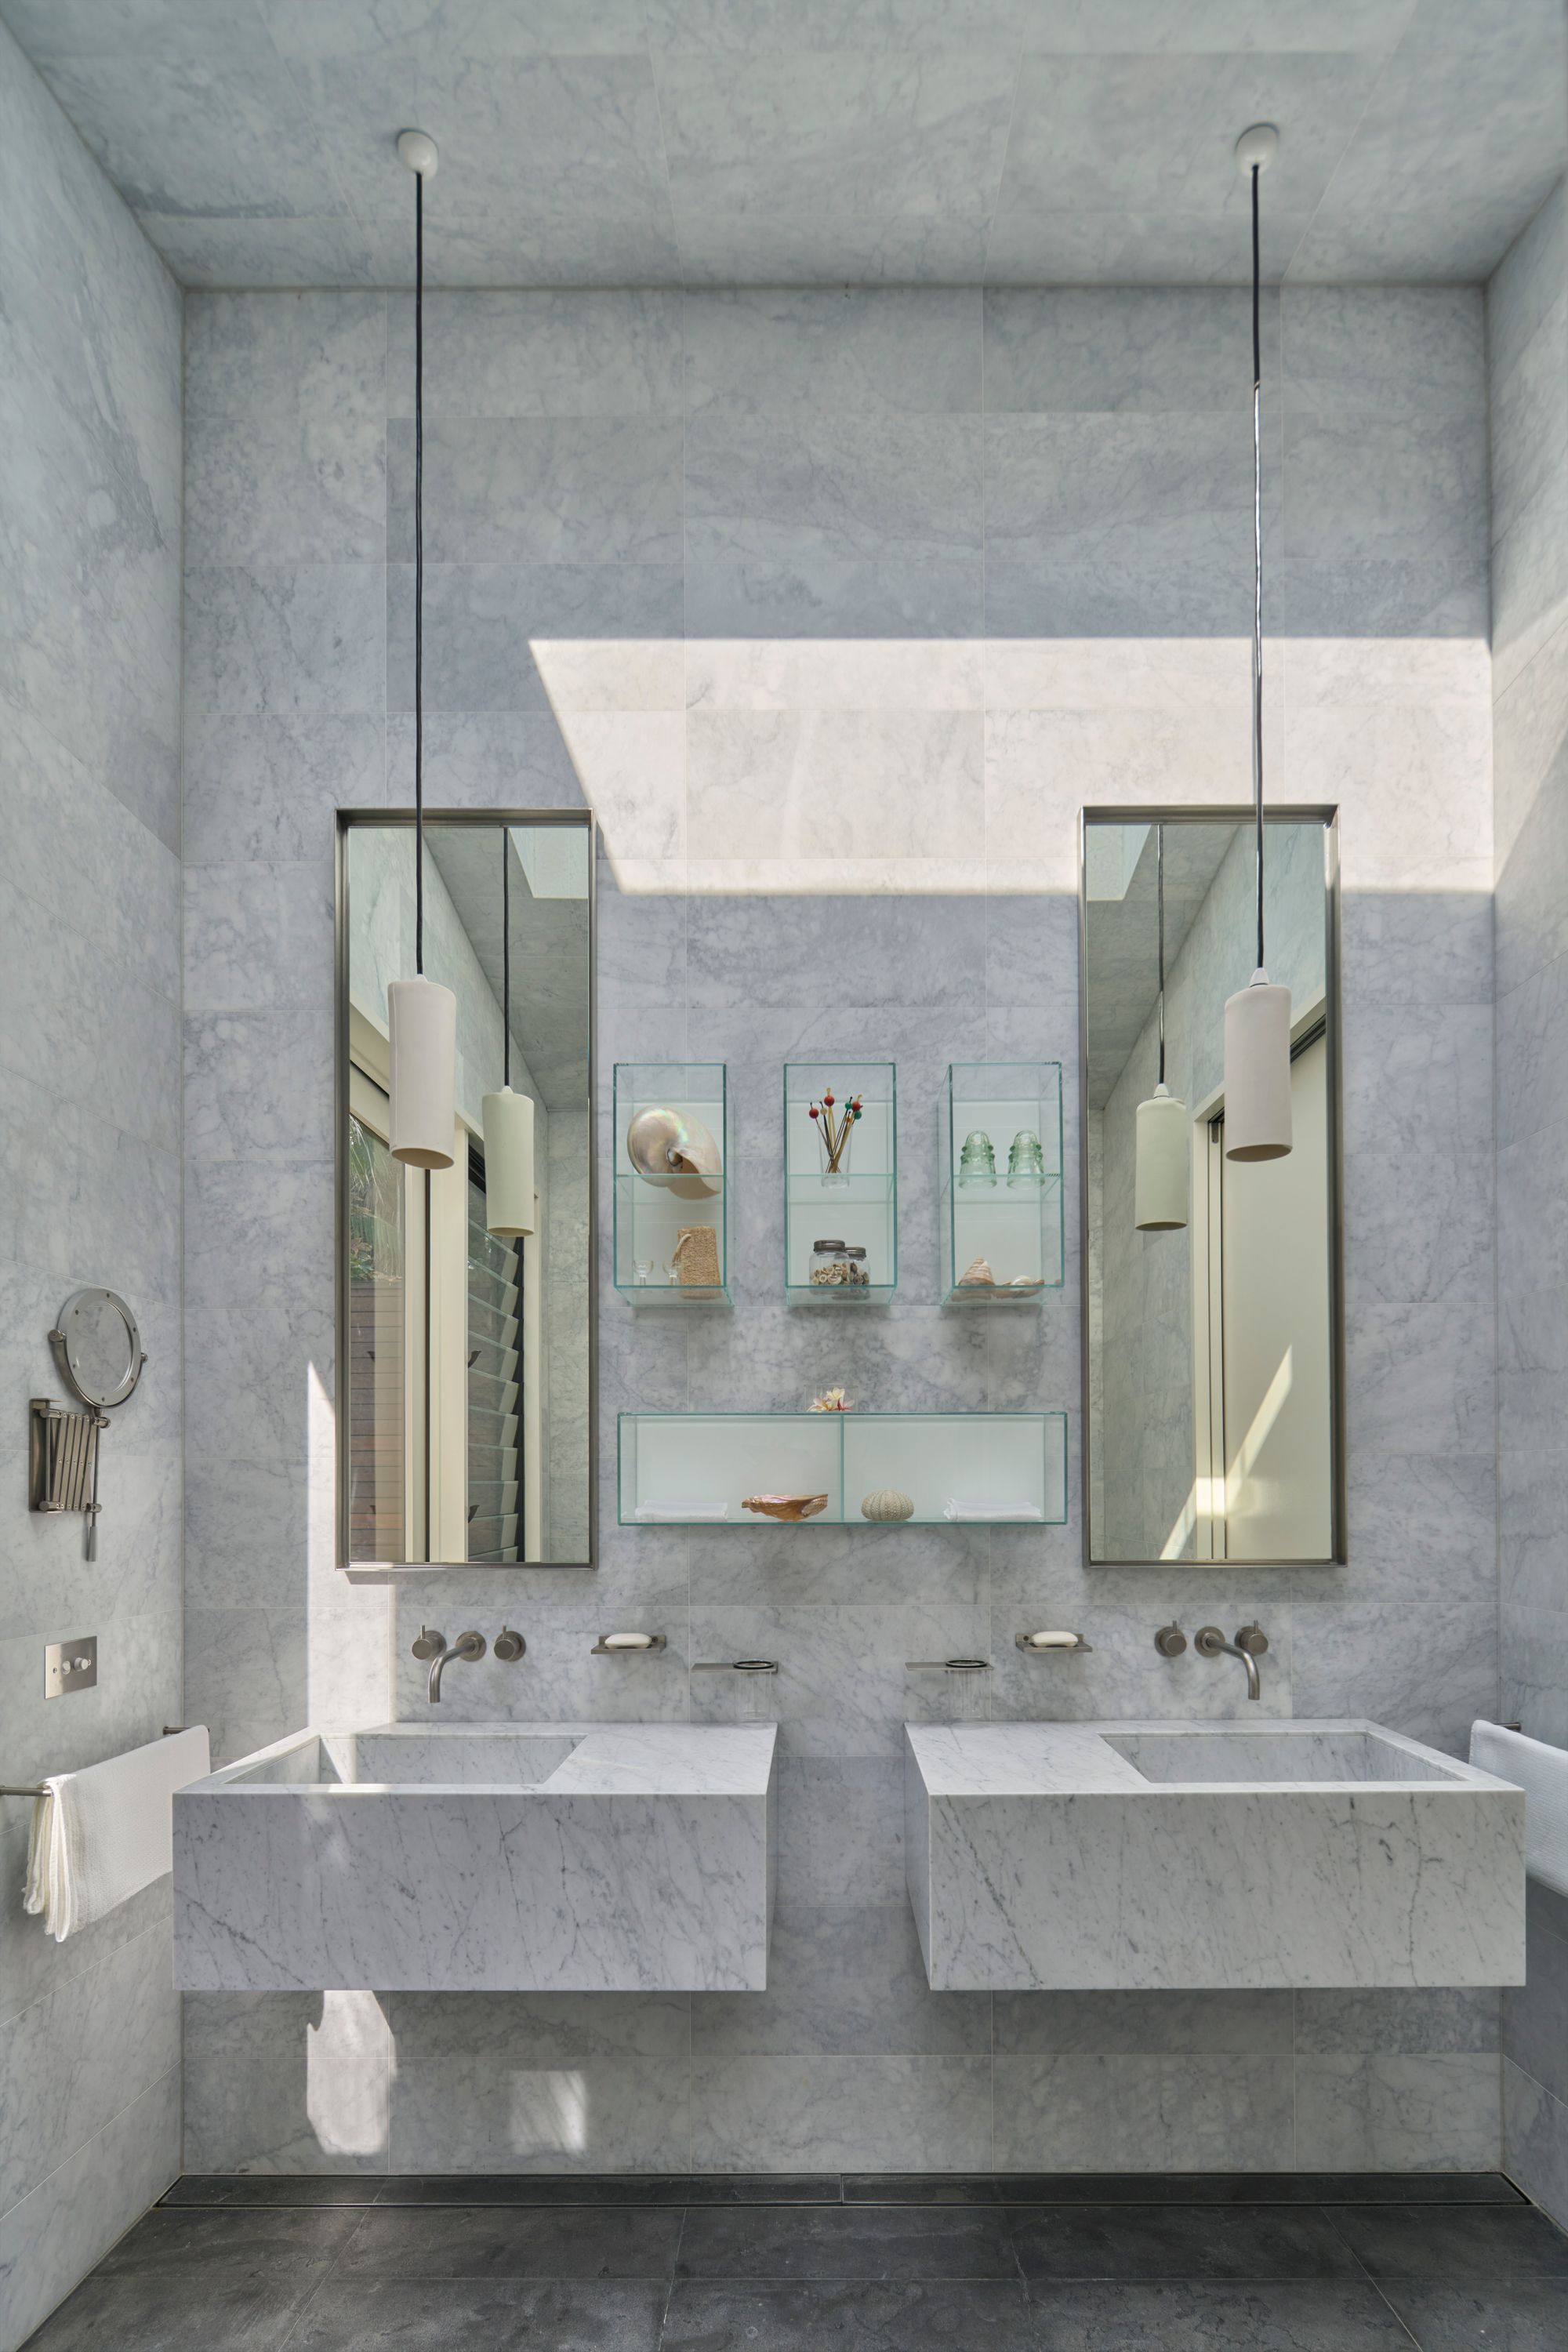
[467, 1426]
[1213, 1389]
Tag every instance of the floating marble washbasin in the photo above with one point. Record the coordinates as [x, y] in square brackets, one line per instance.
[1076, 1856]
[482, 1857]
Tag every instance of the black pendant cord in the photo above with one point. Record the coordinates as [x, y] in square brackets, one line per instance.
[505, 960]
[419, 573]
[1258, 559]
[1160, 934]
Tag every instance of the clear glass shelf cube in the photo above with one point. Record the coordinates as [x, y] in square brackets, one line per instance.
[1000, 1202]
[856, 1204]
[954, 1469]
[653, 1210]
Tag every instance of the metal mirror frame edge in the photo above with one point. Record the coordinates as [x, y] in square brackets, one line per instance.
[1326, 815]
[373, 1571]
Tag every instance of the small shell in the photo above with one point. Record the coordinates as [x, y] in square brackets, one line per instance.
[977, 1274]
[786, 1506]
[887, 1503]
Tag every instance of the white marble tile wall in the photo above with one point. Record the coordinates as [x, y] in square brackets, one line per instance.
[1527, 323]
[837, 607]
[89, 1164]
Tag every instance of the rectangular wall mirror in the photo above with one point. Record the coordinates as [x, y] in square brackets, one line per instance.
[1212, 1342]
[465, 1388]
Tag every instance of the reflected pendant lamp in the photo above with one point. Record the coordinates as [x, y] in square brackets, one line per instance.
[1258, 1017]
[1159, 1159]
[421, 1016]
[509, 1118]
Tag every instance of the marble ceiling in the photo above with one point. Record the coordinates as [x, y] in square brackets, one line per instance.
[813, 142]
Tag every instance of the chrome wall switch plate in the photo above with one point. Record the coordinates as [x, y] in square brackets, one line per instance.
[70, 1665]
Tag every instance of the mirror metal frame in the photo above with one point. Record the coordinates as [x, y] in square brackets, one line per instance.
[375, 1570]
[1285, 813]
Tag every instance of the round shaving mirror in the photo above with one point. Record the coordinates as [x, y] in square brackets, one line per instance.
[99, 1348]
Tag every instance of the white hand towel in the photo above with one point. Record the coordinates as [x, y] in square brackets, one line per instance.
[1541, 1771]
[683, 1510]
[955, 1509]
[99, 1835]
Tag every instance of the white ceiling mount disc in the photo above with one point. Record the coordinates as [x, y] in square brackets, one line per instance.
[417, 150]
[1260, 145]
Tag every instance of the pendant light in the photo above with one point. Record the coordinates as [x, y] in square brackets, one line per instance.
[509, 1118]
[421, 1016]
[1160, 1165]
[1258, 1017]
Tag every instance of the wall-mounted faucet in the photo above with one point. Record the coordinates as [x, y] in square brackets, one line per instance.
[1249, 1645]
[470, 1646]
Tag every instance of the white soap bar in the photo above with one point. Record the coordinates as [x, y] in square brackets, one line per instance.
[628, 1640]
[1051, 1641]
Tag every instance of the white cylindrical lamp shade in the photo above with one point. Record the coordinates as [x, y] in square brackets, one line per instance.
[422, 1024]
[1160, 1165]
[1258, 1071]
[508, 1162]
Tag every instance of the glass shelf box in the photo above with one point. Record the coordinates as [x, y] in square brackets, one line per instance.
[697, 1469]
[651, 1211]
[1009, 1215]
[858, 1206]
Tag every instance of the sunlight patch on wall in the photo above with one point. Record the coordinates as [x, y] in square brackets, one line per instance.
[351, 2064]
[348, 1664]
[957, 765]
[549, 2113]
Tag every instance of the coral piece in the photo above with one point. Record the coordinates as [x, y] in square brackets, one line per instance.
[887, 1503]
[786, 1506]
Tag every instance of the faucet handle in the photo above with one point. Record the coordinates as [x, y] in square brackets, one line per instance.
[509, 1646]
[1252, 1639]
[429, 1645]
[1170, 1640]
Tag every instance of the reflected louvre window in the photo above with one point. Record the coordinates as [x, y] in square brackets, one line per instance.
[496, 1464]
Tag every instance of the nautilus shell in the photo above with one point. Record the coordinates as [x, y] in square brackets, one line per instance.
[675, 1151]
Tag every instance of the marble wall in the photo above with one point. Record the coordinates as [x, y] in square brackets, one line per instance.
[837, 606]
[1527, 324]
[89, 1148]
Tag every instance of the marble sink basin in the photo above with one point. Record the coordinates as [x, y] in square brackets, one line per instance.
[1067, 1856]
[482, 1857]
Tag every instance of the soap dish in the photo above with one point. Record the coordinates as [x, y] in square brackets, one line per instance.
[1035, 1648]
[606, 1646]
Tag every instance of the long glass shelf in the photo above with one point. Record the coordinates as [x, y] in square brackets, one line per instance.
[821, 1469]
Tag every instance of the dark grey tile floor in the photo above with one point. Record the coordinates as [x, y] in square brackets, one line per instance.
[821, 2262]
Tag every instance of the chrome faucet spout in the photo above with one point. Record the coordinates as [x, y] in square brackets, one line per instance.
[469, 1646]
[1248, 1646]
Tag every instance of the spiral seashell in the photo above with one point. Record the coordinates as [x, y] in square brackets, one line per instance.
[674, 1150]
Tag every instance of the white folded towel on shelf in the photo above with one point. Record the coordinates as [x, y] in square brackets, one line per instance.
[1541, 1771]
[679, 1511]
[99, 1835]
[955, 1509]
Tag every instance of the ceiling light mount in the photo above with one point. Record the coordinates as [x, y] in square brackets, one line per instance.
[419, 152]
[1257, 147]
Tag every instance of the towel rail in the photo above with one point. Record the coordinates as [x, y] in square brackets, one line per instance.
[170, 1732]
